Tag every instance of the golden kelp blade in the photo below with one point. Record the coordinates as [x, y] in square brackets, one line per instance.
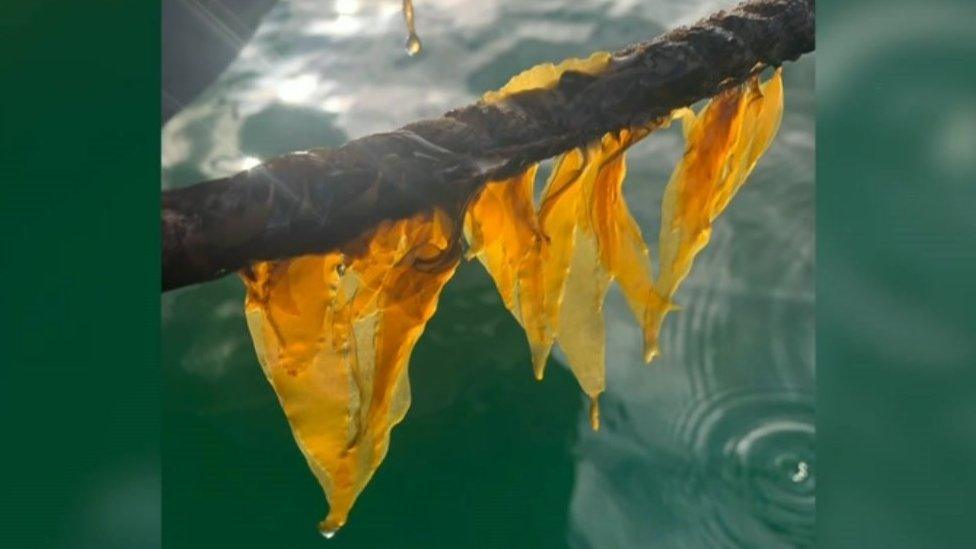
[586, 219]
[576, 281]
[553, 273]
[547, 270]
[623, 251]
[723, 143]
[502, 231]
[590, 237]
[556, 283]
[334, 334]
[546, 75]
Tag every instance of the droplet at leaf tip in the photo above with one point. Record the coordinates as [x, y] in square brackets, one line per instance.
[540, 356]
[595, 413]
[328, 528]
[651, 353]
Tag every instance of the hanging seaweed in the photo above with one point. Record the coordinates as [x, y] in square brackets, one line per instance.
[334, 332]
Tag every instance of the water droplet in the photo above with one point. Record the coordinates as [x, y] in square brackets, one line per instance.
[413, 41]
[594, 413]
[328, 528]
[413, 45]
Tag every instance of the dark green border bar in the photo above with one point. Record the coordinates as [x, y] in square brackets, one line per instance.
[896, 285]
[79, 352]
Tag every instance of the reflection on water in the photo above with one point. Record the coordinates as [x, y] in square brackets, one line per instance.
[756, 448]
[709, 446]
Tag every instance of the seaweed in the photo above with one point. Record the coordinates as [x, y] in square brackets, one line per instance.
[334, 332]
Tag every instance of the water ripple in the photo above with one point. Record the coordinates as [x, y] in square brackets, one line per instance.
[752, 472]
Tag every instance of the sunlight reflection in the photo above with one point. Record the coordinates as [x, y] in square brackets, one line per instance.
[298, 89]
[249, 162]
[338, 104]
[347, 7]
[344, 25]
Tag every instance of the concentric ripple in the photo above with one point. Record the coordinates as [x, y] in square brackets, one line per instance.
[752, 468]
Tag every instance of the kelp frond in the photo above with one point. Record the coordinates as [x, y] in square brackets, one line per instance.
[334, 332]
[545, 75]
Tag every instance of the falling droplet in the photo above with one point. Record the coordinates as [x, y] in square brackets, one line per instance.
[413, 41]
[413, 45]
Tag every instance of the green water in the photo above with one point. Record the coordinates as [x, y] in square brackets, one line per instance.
[710, 446]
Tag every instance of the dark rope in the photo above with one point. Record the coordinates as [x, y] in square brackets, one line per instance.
[317, 200]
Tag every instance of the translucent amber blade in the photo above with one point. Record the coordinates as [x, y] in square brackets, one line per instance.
[555, 283]
[581, 328]
[558, 215]
[512, 254]
[334, 340]
[574, 271]
[546, 75]
[724, 142]
[622, 248]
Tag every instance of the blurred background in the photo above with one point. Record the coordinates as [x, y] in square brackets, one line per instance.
[896, 265]
[712, 445]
